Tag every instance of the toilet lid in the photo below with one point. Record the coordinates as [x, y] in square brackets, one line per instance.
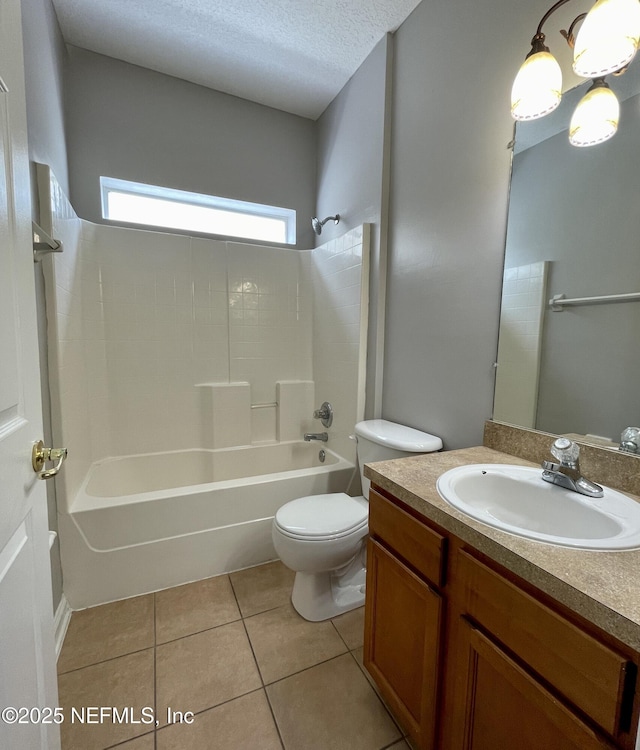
[323, 516]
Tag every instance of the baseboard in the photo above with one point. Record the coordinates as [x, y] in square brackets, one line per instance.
[61, 623]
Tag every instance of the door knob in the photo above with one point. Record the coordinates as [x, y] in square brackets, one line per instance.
[40, 455]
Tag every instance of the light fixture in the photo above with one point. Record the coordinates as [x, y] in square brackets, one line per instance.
[537, 89]
[608, 38]
[606, 43]
[595, 119]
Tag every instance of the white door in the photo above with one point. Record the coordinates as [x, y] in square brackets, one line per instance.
[27, 654]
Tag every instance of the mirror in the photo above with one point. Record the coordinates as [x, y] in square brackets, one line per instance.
[574, 230]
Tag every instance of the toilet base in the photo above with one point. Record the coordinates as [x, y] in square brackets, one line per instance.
[320, 596]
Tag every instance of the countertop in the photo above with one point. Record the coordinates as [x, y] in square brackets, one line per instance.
[603, 587]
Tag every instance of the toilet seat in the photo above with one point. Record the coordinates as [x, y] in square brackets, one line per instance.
[321, 517]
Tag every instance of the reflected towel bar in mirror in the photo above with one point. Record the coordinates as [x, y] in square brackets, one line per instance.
[558, 301]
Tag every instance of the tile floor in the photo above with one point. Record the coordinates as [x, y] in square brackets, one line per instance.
[233, 651]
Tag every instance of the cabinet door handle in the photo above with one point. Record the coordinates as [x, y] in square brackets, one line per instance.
[628, 694]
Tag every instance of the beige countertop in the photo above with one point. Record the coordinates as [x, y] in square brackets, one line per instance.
[603, 587]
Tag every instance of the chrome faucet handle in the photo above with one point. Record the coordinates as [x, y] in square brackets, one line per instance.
[566, 451]
[324, 414]
[630, 440]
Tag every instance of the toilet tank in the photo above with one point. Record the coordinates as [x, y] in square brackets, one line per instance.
[379, 440]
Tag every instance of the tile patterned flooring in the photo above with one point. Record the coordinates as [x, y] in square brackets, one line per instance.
[233, 651]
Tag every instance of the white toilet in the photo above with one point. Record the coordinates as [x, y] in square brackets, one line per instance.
[323, 537]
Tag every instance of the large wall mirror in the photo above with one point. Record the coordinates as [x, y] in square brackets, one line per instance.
[573, 230]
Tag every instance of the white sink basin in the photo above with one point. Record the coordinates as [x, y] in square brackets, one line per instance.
[516, 499]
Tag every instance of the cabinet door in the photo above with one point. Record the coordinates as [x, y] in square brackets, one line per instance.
[594, 677]
[499, 705]
[402, 633]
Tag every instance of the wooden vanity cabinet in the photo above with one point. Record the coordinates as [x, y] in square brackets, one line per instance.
[469, 657]
[404, 615]
[499, 704]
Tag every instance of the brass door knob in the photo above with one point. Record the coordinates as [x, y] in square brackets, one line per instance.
[40, 455]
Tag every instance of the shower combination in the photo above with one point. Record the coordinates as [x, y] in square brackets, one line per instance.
[317, 224]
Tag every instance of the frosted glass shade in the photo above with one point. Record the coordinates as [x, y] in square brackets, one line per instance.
[537, 89]
[608, 38]
[596, 117]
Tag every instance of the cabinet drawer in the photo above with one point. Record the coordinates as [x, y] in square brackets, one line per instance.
[417, 544]
[588, 673]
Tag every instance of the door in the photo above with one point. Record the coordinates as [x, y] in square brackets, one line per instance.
[27, 653]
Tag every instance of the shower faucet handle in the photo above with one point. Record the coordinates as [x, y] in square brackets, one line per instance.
[324, 414]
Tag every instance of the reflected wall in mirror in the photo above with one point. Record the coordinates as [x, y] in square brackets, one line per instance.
[573, 229]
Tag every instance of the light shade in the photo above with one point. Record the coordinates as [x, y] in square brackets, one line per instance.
[596, 117]
[608, 38]
[537, 89]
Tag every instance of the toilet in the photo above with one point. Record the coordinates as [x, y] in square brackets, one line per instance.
[323, 537]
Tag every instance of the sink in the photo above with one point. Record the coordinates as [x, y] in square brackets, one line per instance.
[517, 500]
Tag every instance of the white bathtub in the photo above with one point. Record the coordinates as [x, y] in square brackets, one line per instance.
[146, 522]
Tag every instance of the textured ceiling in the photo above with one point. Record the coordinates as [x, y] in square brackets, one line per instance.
[294, 55]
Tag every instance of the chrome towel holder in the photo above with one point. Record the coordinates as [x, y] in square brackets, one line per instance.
[43, 244]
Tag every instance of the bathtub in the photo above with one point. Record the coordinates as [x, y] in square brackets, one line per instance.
[147, 522]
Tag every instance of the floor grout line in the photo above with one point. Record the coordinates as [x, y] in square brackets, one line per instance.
[266, 695]
[253, 653]
[198, 632]
[264, 611]
[306, 669]
[341, 636]
[394, 743]
[130, 739]
[275, 721]
[363, 669]
[218, 705]
[105, 661]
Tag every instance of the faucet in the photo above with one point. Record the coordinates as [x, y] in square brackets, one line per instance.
[325, 414]
[630, 440]
[567, 473]
[309, 436]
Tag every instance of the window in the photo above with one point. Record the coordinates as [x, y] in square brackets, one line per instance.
[136, 203]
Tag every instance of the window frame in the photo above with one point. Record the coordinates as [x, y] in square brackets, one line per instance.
[127, 187]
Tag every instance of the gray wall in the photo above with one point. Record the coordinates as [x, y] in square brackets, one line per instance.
[578, 208]
[135, 124]
[44, 54]
[44, 59]
[353, 146]
[453, 72]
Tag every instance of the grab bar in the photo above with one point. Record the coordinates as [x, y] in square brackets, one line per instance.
[558, 301]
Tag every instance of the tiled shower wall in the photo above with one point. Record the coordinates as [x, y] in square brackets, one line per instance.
[172, 312]
[340, 313]
[524, 295]
[145, 326]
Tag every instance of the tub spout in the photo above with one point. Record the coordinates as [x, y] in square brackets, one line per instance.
[309, 436]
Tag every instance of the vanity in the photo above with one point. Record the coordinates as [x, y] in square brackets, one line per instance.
[479, 639]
